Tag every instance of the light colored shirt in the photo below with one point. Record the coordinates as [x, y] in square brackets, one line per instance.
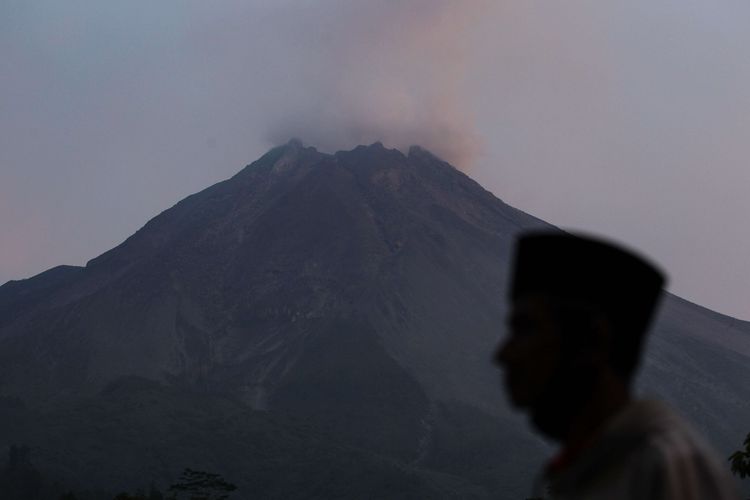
[645, 452]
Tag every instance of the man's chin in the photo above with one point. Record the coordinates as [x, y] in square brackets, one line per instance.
[551, 426]
[518, 401]
[542, 417]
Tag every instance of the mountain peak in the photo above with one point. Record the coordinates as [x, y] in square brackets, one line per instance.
[372, 152]
[295, 142]
[418, 151]
[295, 145]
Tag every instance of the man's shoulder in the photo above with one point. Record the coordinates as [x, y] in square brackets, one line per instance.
[671, 456]
[662, 433]
[648, 451]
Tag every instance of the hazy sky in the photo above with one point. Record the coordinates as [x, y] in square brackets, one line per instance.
[629, 119]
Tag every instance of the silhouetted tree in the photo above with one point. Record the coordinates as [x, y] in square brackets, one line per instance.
[200, 485]
[68, 496]
[740, 460]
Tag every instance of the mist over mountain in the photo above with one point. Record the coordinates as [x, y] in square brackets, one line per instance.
[319, 325]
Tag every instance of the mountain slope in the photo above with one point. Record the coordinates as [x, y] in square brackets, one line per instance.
[358, 295]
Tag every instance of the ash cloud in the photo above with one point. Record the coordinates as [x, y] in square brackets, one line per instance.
[396, 72]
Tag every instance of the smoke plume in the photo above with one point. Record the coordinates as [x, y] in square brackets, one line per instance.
[396, 72]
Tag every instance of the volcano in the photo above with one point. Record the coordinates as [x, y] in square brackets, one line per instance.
[317, 326]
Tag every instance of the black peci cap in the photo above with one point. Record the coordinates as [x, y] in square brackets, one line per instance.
[623, 285]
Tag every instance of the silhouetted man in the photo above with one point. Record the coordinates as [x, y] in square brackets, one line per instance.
[580, 308]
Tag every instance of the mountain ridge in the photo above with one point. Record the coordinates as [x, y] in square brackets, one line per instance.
[361, 292]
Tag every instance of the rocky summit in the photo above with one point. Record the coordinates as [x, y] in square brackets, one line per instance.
[317, 326]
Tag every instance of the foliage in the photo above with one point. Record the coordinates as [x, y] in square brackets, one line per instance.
[200, 485]
[741, 460]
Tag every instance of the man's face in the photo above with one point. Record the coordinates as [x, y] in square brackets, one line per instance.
[530, 353]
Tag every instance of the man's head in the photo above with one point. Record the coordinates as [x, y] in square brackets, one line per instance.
[579, 310]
